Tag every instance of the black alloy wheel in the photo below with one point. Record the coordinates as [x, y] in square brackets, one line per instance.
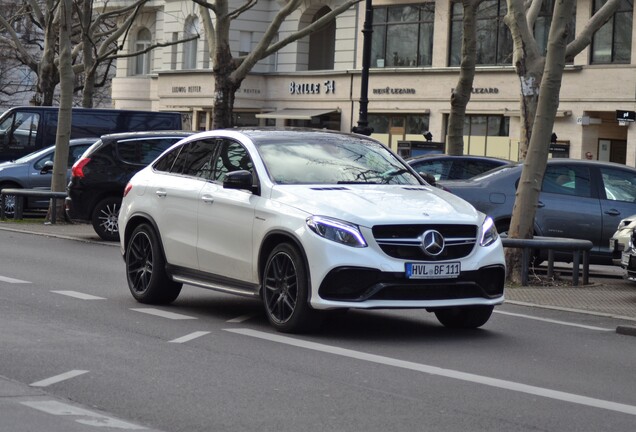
[146, 269]
[285, 291]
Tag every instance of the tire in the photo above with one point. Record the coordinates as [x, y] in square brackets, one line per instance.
[104, 218]
[9, 200]
[465, 317]
[285, 291]
[146, 269]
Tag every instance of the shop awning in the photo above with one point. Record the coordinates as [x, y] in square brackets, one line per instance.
[295, 114]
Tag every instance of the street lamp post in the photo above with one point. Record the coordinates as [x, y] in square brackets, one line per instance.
[367, 30]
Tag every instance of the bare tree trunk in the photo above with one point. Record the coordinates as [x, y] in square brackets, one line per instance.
[88, 53]
[461, 94]
[48, 75]
[225, 88]
[58, 182]
[524, 211]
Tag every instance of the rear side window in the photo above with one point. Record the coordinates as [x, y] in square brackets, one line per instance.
[567, 180]
[142, 151]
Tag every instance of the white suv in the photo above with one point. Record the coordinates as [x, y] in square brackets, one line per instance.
[309, 221]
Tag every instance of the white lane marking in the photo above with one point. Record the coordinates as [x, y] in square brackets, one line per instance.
[554, 321]
[448, 373]
[242, 318]
[89, 418]
[189, 337]
[58, 378]
[163, 314]
[79, 295]
[11, 280]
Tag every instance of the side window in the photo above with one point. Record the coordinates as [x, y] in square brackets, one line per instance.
[199, 161]
[46, 158]
[143, 151]
[619, 185]
[167, 161]
[75, 152]
[438, 169]
[567, 180]
[231, 157]
[20, 130]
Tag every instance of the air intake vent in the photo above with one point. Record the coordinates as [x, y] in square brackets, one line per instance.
[329, 188]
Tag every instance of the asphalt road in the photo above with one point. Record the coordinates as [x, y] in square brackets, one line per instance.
[210, 362]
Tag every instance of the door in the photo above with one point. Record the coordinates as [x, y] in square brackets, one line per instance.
[226, 217]
[568, 206]
[618, 200]
[176, 193]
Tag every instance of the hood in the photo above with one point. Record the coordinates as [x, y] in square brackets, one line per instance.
[368, 205]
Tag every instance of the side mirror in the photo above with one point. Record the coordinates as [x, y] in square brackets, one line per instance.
[430, 178]
[47, 168]
[241, 179]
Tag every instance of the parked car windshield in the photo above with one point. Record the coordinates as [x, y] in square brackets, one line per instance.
[333, 161]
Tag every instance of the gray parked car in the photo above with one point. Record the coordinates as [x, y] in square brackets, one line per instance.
[34, 171]
[580, 199]
[447, 167]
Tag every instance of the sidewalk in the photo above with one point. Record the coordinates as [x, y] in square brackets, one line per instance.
[607, 293]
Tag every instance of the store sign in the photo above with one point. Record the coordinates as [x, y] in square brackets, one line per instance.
[327, 87]
[186, 89]
[481, 90]
[627, 116]
[394, 91]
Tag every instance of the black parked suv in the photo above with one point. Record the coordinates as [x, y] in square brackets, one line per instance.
[98, 178]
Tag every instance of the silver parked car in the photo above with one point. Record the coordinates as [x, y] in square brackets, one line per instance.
[34, 171]
[580, 199]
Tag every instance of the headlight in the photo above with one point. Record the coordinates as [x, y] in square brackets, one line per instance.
[336, 230]
[488, 233]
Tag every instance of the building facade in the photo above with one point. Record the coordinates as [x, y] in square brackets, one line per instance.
[315, 81]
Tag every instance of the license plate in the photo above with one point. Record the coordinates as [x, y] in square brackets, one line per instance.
[433, 270]
[625, 258]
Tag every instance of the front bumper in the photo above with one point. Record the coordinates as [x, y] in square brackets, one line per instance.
[370, 288]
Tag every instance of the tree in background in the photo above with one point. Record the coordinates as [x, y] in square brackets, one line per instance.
[229, 71]
[94, 35]
[540, 81]
[461, 93]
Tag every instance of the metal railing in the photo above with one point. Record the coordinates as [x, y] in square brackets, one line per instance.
[22, 194]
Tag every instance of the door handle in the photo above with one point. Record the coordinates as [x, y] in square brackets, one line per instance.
[540, 204]
[209, 199]
[612, 212]
[161, 193]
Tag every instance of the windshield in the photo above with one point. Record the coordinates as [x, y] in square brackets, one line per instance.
[333, 160]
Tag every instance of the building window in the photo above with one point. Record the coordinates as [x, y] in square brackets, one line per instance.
[190, 48]
[543, 23]
[173, 51]
[403, 35]
[322, 44]
[494, 42]
[142, 61]
[612, 43]
[245, 43]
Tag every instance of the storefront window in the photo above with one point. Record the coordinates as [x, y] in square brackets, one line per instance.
[488, 135]
[494, 42]
[612, 43]
[403, 35]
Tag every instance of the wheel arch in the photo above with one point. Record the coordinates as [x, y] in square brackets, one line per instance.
[133, 222]
[273, 239]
